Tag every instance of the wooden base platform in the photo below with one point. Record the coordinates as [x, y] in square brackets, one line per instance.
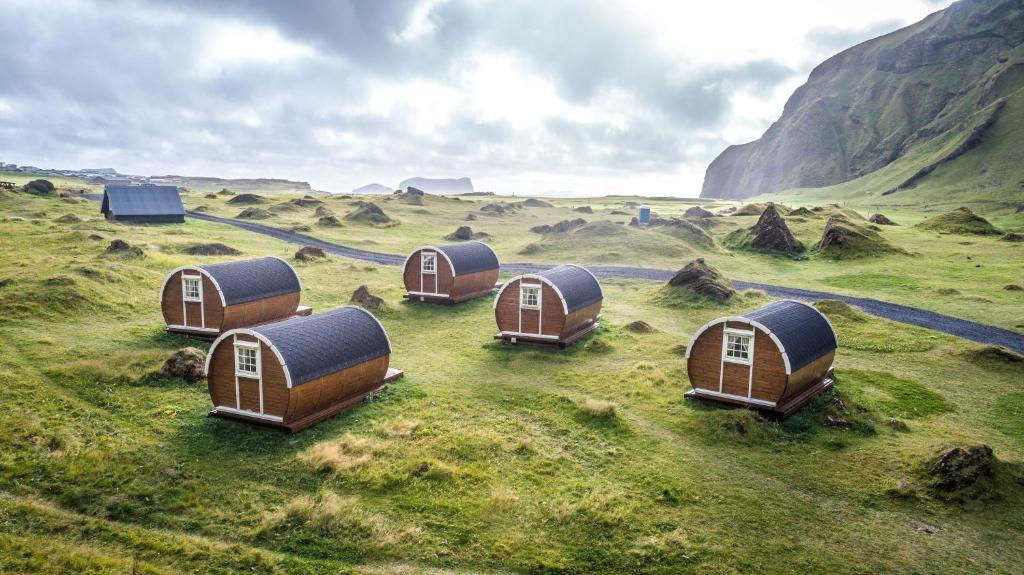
[315, 418]
[784, 410]
[527, 339]
[301, 311]
[447, 300]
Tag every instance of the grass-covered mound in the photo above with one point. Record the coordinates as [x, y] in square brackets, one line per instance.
[254, 214]
[245, 199]
[842, 239]
[697, 282]
[210, 249]
[686, 231]
[959, 221]
[769, 234]
[369, 213]
[750, 210]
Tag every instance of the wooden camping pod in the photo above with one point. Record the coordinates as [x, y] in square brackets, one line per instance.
[294, 373]
[450, 274]
[207, 300]
[554, 307]
[776, 358]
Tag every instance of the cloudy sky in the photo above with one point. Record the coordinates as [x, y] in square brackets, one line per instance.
[523, 96]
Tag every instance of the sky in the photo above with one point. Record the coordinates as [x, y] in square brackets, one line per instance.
[528, 96]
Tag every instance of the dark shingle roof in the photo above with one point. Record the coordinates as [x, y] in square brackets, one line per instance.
[578, 286]
[805, 334]
[470, 257]
[249, 280]
[142, 201]
[323, 343]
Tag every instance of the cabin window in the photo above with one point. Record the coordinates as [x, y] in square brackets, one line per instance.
[529, 296]
[738, 347]
[247, 359]
[429, 262]
[192, 288]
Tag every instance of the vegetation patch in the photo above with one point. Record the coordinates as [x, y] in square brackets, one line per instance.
[872, 281]
[211, 249]
[842, 239]
[993, 356]
[696, 283]
[1008, 413]
[891, 396]
[959, 221]
[835, 309]
[254, 214]
[369, 213]
[341, 455]
[244, 199]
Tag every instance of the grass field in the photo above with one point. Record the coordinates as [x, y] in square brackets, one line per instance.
[491, 459]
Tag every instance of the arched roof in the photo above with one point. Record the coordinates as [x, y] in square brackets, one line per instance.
[142, 201]
[575, 286]
[801, 332]
[466, 257]
[249, 280]
[314, 346]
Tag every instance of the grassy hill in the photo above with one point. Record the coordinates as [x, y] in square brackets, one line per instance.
[490, 459]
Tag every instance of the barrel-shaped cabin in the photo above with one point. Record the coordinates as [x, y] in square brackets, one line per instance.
[556, 306]
[452, 273]
[297, 372]
[775, 359]
[207, 300]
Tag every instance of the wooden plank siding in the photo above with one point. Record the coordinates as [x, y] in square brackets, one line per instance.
[260, 311]
[450, 287]
[550, 322]
[213, 315]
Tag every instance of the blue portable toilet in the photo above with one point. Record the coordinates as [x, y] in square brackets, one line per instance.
[645, 215]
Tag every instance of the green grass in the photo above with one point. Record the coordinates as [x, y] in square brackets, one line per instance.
[485, 458]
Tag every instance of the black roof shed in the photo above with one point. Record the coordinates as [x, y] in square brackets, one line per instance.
[144, 204]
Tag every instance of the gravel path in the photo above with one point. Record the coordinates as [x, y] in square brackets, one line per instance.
[973, 331]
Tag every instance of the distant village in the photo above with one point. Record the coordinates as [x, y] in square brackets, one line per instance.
[101, 176]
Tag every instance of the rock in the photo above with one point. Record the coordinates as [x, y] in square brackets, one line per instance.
[60, 281]
[364, 298]
[959, 221]
[1013, 287]
[634, 222]
[881, 220]
[561, 227]
[187, 363]
[368, 212]
[121, 247]
[1020, 208]
[412, 196]
[1012, 237]
[923, 527]
[584, 209]
[958, 468]
[245, 199]
[211, 249]
[640, 326]
[39, 187]
[329, 222]
[254, 214]
[769, 233]
[309, 253]
[703, 280]
[68, 219]
[697, 213]
[836, 421]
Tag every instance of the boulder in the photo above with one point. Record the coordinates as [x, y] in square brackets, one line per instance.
[211, 249]
[245, 199]
[703, 280]
[880, 219]
[306, 201]
[959, 468]
[39, 187]
[309, 253]
[210, 196]
[362, 297]
[187, 363]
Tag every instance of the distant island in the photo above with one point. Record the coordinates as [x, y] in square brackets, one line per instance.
[442, 186]
[373, 188]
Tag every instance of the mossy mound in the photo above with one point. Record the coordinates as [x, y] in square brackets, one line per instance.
[370, 213]
[225, 192]
[40, 187]
[310, 253]
[306, 201]
[583, 209]
[881, 220]
[246, 199]
[602, 229]
[749, 210]
[834, 308]
[254, 214]
[686, 231]
[801, 212]
[697, 213]
[329, 222]
[965, 474]
[842, 239]
[211, 249]
[283, 207]
[68, 219]
[993, 355]
[1012, 237]
[412, 196]
[464, 233]
[123, 248]
[959, 221]
[561, 227]
[891, 396]
[698, 281]
[769, 234]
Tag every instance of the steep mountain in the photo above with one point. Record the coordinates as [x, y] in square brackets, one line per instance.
[911, 101]
[447, 186]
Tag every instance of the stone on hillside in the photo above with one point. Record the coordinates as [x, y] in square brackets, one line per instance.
[254, 214]
[561, 227]
[306, 201]
[881, 220]
[494, 208]
[364, 298]
[187, 363]
[704, 280]
[310, 253]
[211, 249]
[322, 211]
[245, 199]
[39, 187]
[697, 213]
[1013, 287]
[958, 468]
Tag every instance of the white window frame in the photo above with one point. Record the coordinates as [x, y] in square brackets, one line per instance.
[248, 345]
[523, 288]
[184, 288]
[432, 258]
[749, 335]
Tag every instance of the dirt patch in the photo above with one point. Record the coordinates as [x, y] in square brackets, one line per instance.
[959, 221]
[246, 199]
[561, 227]
[68, 219]
[121, 247]
[211, 249]
[362, 297]
[640, 326]
[254, 214]
[701, 279]
[187, 363]
[310, 253]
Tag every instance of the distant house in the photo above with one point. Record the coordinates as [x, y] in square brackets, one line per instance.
[143, 204]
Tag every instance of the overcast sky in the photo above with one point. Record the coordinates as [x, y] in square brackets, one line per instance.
[523, 96]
